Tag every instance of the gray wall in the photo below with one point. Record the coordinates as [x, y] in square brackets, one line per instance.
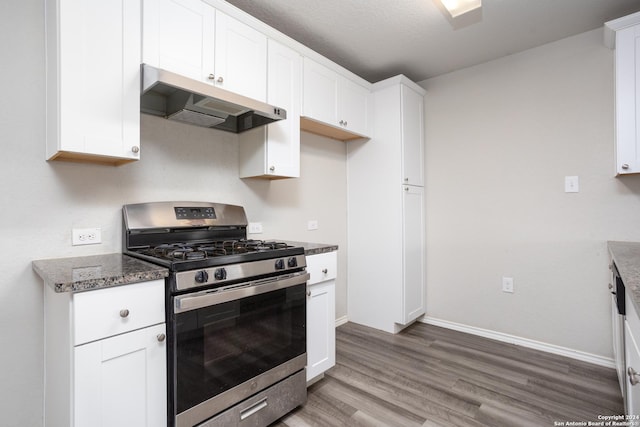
[501, 137]
[42, 201]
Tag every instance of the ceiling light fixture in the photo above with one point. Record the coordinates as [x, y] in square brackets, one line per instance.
[459, 7]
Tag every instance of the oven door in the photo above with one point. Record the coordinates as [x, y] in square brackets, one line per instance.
[229, 344]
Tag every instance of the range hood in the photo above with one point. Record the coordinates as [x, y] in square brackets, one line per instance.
[180, 98]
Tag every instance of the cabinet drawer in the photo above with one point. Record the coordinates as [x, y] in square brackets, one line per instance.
[107, 312]
[322, 267]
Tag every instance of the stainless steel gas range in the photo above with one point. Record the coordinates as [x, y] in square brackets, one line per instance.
[236, 313]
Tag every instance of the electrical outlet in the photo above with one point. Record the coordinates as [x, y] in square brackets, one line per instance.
[507, 284]
[312, 224]
[86, 236]
[255, 227]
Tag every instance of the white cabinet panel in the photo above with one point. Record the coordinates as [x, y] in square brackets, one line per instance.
[628, 100]
[387, 288]
[321, 313]
[334, 105]
[320, 93]
[240, 58]
[178, 35]
[412, 136]
[274, 151]
[111, 311]
[122, 380]
[413, 254]
[93, 80]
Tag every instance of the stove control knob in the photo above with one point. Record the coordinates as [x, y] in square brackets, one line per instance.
[280, 264]
[220, 274]
[292, 262]
[202, 276]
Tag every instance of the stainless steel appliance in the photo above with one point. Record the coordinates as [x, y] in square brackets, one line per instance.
[236, 313]
[180, 98]
[618, 312]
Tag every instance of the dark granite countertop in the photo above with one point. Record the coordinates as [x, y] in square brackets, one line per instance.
[313, 248]
[96, 272]
[626, 255]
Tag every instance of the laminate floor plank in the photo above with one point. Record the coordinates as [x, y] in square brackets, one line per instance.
[434, 377]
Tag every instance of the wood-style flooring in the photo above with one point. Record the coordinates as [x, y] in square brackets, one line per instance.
[430, 376]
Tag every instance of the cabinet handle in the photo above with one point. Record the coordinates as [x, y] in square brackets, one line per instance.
[220, 80]
[135, 149]
[212, 77]
[272, 168]
[633, 376]
[161, 337]
[625, 166]
[124, 313]
[309, 294]
[325, 271]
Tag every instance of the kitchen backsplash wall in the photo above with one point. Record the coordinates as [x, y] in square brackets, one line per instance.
[501, 137]
[42, 201]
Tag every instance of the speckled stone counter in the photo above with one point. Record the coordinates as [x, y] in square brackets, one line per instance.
[626, 255]
[95, 272]
[314, 248]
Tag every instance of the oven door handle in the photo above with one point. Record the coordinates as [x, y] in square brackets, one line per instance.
[201, 299]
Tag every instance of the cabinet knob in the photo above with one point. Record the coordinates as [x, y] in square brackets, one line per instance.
[406, 180]
[309, 293]
[341, 122]
[406, 188]
[625, 166]
[161, 337]
[610, 286]
[633, 376]
[325, 271]
[135, 149]
[124, 313]
[220, 80]
[212, 77]
[272, 168]
[345, 123]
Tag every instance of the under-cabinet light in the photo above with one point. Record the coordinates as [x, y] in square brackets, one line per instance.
[459, 7]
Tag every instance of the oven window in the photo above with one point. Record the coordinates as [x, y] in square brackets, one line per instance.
[222, 346]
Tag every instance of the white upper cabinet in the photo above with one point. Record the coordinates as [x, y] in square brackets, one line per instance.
[241, 58]
[624, 34]
[93, 80]
[412, 119]
[273, 151]
[333, 105]
[178, 35]
[192, 38]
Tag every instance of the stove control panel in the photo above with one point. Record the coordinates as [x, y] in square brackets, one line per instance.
[237, 272]
[195, 213]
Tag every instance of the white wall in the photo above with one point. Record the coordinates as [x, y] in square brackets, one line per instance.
[42, 201]
[500, 139]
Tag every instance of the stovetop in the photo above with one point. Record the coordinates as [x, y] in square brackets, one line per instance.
[184, 256]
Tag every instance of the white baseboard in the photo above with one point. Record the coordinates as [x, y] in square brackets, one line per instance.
[524, 342]
[341, 320]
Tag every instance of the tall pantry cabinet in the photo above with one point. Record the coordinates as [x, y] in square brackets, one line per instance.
[386, 211]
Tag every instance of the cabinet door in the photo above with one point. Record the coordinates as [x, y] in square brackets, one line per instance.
[353, 107]
[628, 100]
[320, 93]
[273, 151]
[97, 80]
[413, 254]
[412, 136]
[321, 329]
[632, 356]
[121, 381]
[179, 37]
[241, 58]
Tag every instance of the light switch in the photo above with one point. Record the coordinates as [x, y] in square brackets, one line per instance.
[571, 184]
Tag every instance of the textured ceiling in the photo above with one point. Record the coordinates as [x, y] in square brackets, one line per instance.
[377, 39]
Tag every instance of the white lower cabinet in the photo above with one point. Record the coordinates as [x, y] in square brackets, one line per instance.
[632, 358]
[121, 380]
[321, 314]
[105, 357]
